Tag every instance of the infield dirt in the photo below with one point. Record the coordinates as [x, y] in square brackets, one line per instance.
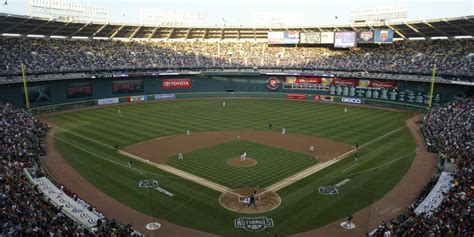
[160, 149]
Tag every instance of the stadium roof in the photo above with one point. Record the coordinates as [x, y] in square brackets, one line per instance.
[31, 26]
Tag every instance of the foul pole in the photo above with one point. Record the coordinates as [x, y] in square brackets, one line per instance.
[25, 85]
[433, 75]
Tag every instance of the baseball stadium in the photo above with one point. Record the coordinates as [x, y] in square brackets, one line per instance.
[151, 119]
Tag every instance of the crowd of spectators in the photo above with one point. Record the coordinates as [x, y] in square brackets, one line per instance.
[452, 57]
[23, 210]
[449, 131]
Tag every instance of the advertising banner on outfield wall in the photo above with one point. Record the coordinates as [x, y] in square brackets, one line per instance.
[296, 96]
[128, 86]
[136, 98]
[376, 84]
[303, 80]
[347, 82]
[108, 101]
[165, 96]
[176, 83]
[344, 82]
[79, 89]
[351, 100]
[323, 98]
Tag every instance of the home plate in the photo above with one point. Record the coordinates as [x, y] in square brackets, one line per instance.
[348, 225]
[153, 226]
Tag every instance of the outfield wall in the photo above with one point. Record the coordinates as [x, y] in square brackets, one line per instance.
[378, 92]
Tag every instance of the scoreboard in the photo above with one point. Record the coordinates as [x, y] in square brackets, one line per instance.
[310, 38]
[345, 39]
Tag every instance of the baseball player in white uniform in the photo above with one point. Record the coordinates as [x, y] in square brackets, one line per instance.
[119, 112]
[311, 148]
[345, 110]
[223, 104]
[283, 131]
[188, 132]
[243, 156]
[180, 156]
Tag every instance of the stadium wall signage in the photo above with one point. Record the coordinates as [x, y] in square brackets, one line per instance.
[165, 96]
[349, 82]
[108, 101]
[79, 89]
[253, 224]
[128, 86]
[296, 96]
[351, 100]
[323, 98]
[136, 98]
[176, 83]
[273, 83]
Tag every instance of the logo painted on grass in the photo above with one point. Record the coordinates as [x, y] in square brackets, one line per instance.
[254, 224]
[332, 190]
[273, 83]
[153, 184]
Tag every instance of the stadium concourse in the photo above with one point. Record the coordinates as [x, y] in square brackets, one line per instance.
[452, 57]
[25, 211]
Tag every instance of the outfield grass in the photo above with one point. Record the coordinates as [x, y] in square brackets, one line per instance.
[273, 164]
[86, 140]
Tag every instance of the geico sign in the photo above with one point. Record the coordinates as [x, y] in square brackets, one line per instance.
[351, 100]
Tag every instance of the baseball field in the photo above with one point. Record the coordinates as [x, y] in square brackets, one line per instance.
[309, 188]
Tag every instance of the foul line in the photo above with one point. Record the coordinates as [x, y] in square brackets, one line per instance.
[344, 170]
[182, 174]
[100, 157]
[166, 168]
[79, 135]
[313, 169]
[385, 135]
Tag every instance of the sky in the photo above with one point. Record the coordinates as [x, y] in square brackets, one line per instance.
[242, 12]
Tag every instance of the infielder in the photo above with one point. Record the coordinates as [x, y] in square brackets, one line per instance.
[180, 156]
[188, 132]
[283, 131]
[130, 164]
[311, 148]
[243, 156]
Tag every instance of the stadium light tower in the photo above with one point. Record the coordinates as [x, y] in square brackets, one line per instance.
[168, 17]
[68, 10]
[379, 14]
[278, 18]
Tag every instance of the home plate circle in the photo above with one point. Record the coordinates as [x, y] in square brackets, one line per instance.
[153, 226]
[348, 225]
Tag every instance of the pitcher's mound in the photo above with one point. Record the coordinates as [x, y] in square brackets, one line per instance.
[265, 200]
[242, 163]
